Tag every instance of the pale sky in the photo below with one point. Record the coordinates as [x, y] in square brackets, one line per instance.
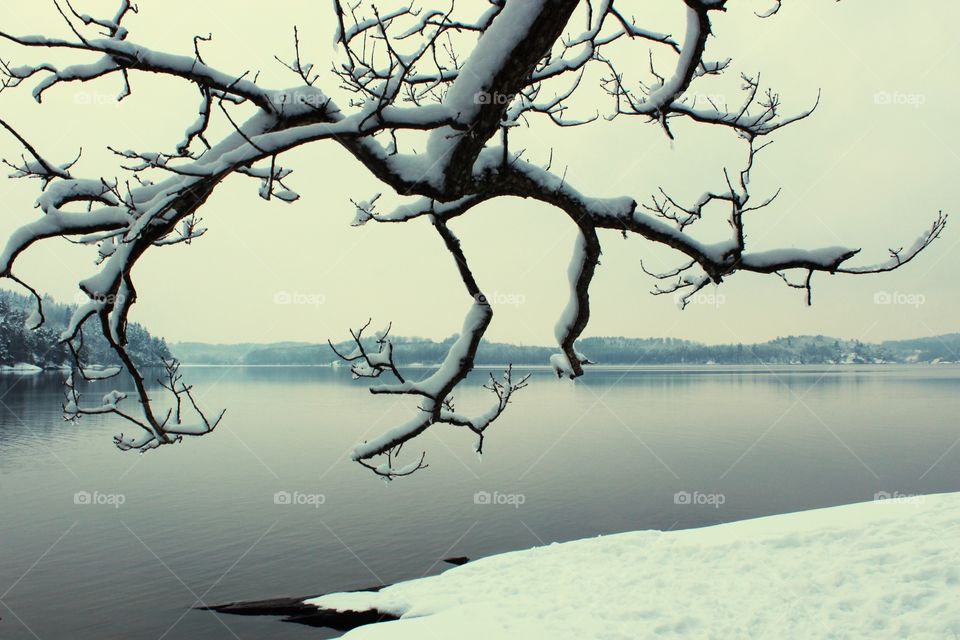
[866, 170]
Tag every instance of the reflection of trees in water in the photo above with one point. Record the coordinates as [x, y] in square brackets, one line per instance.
[31, 406]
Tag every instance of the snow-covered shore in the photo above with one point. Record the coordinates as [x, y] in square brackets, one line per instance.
[884, 569]
[21, 369]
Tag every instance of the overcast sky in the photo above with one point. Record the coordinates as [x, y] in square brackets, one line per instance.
[870, 169]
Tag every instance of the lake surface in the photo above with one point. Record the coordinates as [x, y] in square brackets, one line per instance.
[199, 522]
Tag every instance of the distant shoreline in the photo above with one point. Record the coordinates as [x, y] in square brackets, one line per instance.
[611, 351]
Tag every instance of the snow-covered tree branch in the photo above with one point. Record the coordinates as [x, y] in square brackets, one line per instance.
[453, 84]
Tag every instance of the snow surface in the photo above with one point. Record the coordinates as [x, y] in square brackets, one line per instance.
[22, 368]
[883, 569]
[826, 258]
[100, 373]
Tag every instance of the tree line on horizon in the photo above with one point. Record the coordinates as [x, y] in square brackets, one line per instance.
[20, 345]
[600, 350]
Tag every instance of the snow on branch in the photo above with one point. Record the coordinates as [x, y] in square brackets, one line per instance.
[435, 391]
[366, 363]
[900, 257]
[149, 434]
[573, 320]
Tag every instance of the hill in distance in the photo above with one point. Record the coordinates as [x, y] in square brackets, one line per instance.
[602, 350]
[20, 345]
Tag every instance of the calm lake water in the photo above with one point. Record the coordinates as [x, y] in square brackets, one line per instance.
[199, 522]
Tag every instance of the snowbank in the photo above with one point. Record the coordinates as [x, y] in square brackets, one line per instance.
[886, 569]
[21, 368]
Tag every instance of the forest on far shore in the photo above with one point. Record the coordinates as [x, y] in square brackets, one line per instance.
[601, 350]
[20, 345]
[42, 348]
